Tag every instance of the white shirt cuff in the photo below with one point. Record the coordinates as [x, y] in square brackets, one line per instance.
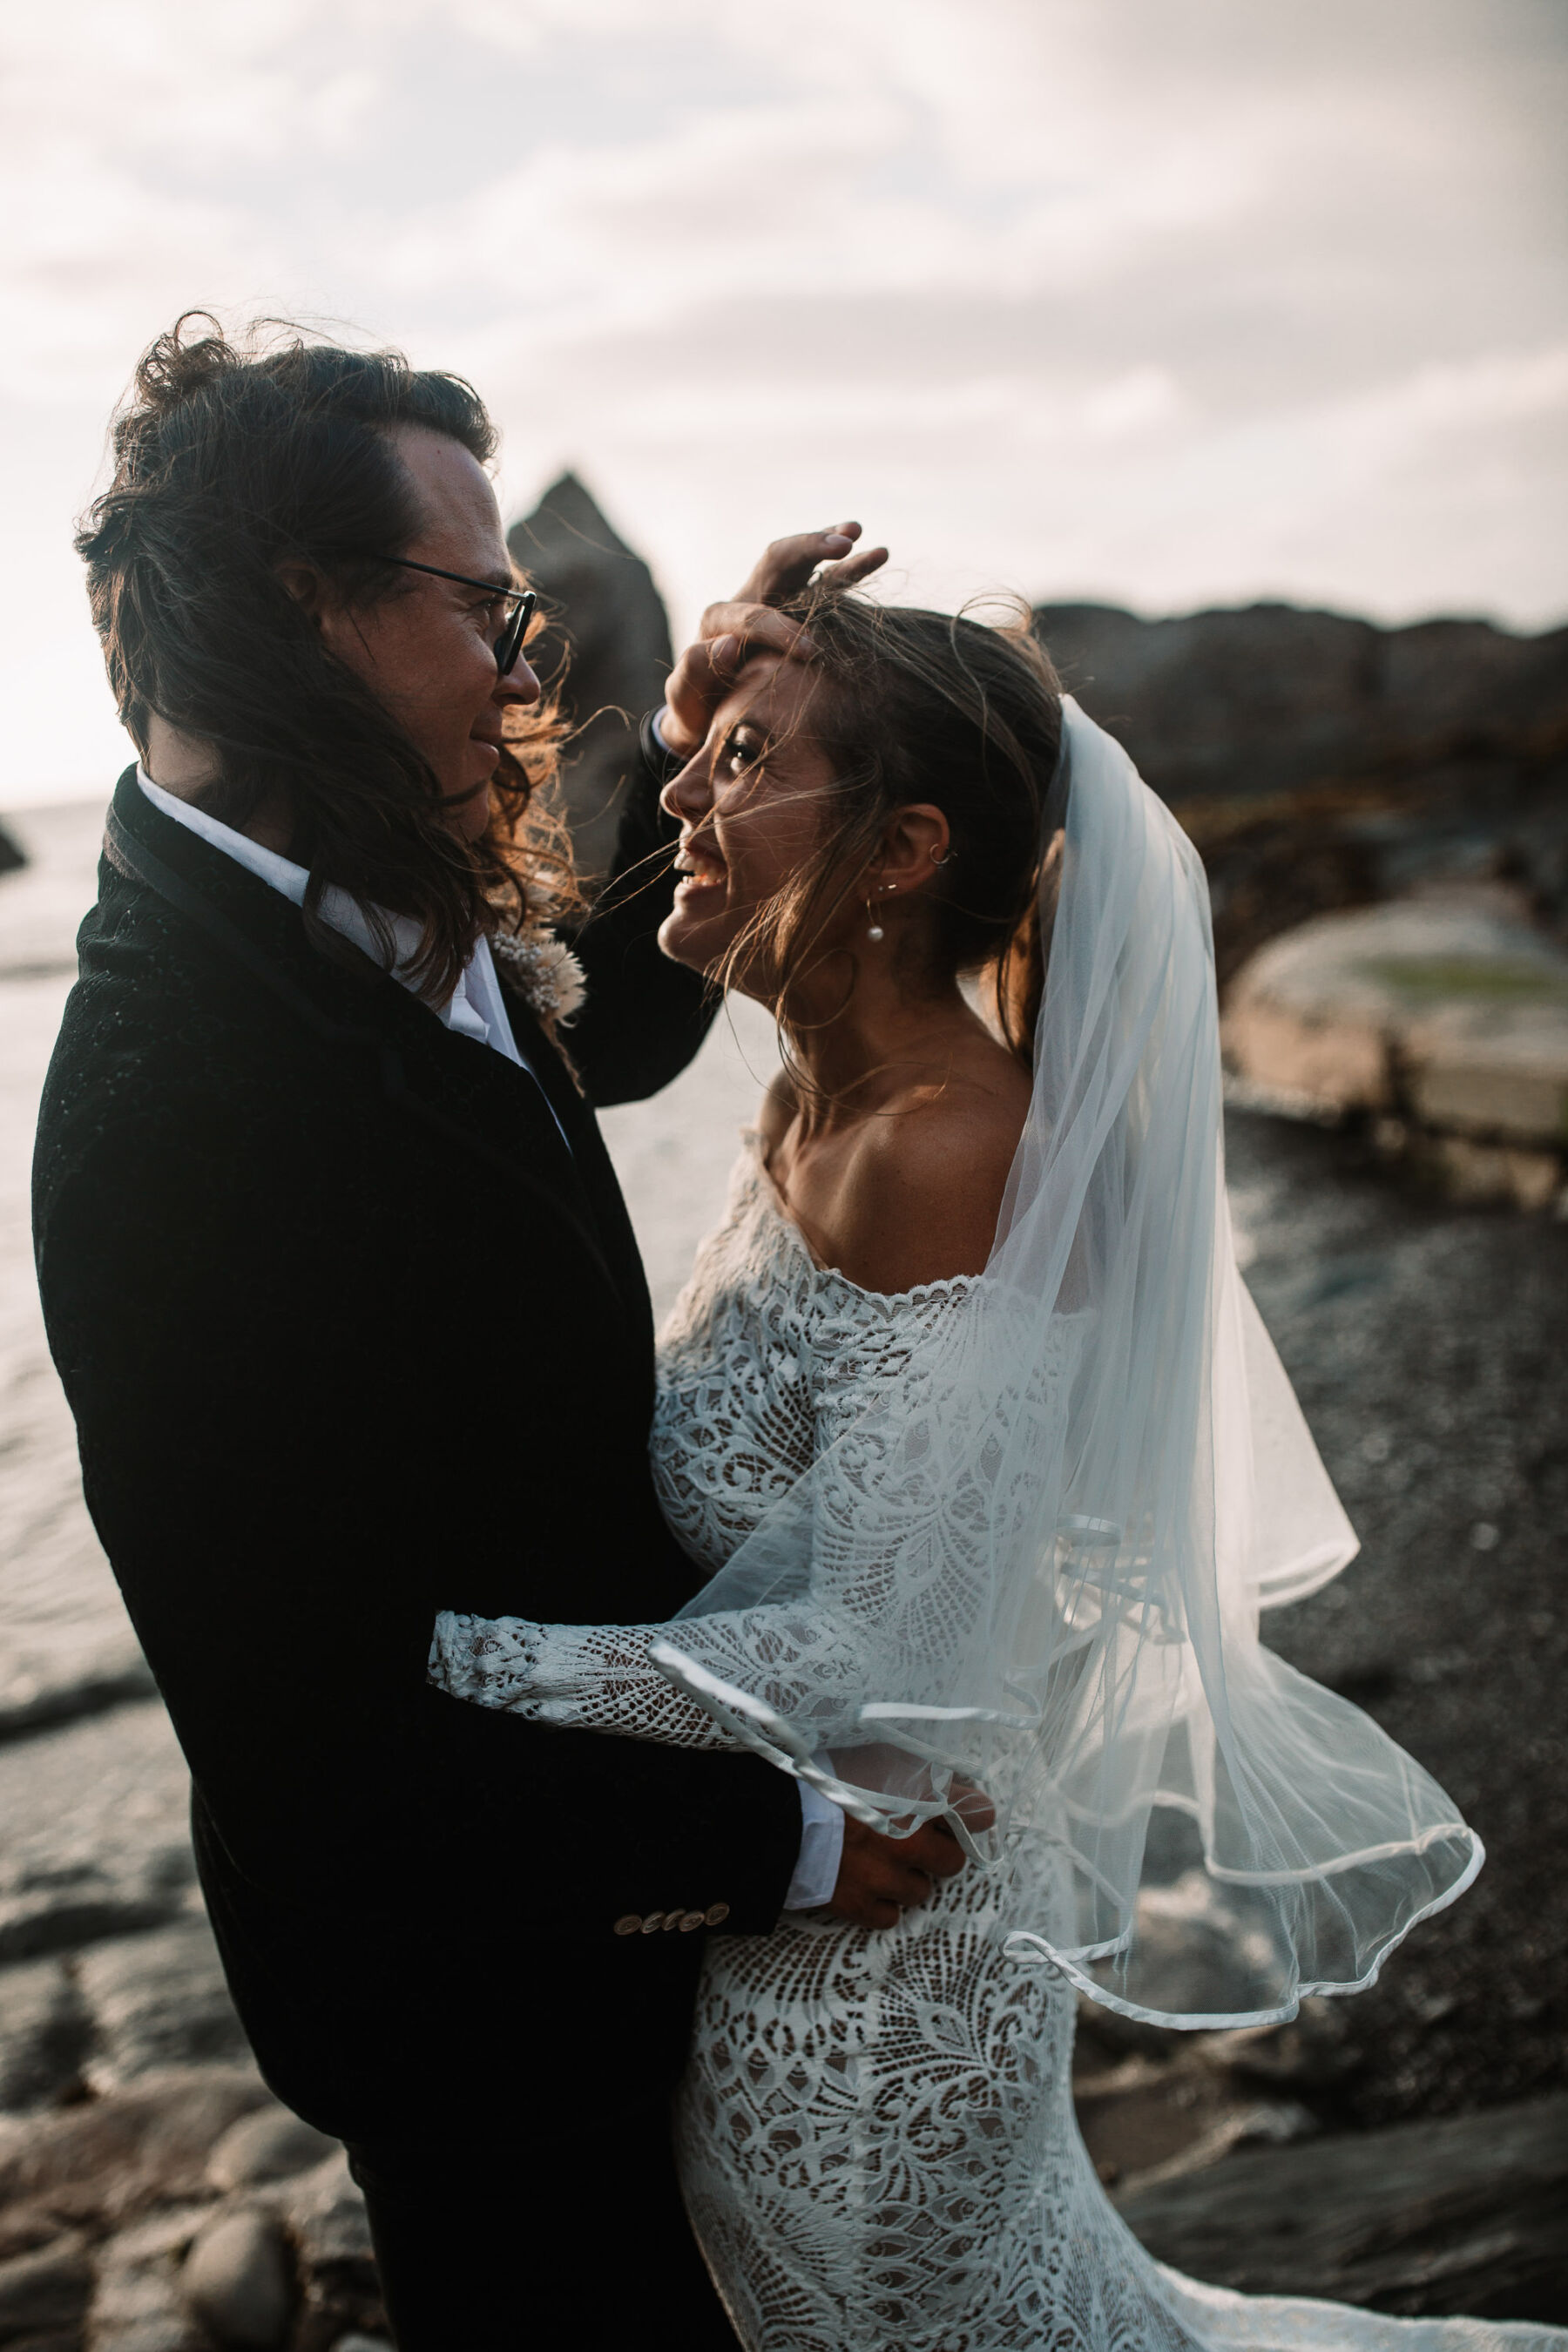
[656, 729]
[821, 1850]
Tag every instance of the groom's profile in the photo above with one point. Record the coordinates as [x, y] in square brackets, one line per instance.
[348, 1309]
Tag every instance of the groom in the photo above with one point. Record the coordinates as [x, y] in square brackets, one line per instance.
[348, 1309]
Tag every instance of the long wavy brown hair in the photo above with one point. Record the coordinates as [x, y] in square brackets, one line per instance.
[230, 457]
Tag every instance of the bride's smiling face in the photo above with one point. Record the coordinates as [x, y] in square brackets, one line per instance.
[753, 802]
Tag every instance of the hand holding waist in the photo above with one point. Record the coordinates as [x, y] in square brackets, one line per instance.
[880, 1877]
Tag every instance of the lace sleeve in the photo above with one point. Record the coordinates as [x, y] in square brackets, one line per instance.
[603, 1677]
[807, 1662]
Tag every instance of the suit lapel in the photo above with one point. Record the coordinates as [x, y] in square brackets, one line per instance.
[594, 1168]
[465, 1084]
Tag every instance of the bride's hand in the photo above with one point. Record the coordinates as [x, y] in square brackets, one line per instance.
[731, 633]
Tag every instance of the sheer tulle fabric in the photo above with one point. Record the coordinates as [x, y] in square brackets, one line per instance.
[1036, 1559]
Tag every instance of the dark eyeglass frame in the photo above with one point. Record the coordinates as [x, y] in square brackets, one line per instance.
[508, 644]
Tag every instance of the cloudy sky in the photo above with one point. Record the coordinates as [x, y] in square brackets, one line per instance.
[1160, 301]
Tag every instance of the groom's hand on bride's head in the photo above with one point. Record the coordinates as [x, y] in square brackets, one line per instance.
[733, 634]
[881, 1877]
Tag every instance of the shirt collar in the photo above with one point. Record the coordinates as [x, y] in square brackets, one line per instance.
[474, 1008]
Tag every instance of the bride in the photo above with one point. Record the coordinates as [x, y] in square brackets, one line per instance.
[974, 1432]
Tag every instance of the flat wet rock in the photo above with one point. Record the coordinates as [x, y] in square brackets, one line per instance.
[1464, 2216]
[44, 2296]
[1446, 1017]
[45, 2033]
[103, 2164]
[157, 2000]
[94, 1833]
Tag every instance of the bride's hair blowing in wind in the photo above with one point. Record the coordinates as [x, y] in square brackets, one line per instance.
[1036, 1560]
[917, 706]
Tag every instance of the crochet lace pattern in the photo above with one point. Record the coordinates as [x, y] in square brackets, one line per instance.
[875, 2131]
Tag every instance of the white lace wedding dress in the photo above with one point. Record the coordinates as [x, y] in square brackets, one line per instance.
[875, 2132]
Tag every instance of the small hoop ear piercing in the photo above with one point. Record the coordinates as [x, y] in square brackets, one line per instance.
[944, 861]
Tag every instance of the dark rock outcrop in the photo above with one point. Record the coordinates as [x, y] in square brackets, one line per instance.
[607, 644]
[1459, 2216]
[12, 854]
[1320, 761]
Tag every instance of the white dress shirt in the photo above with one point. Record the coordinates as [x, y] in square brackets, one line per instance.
[477, 1009]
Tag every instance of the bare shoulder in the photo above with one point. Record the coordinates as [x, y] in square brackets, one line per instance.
[924, 1187]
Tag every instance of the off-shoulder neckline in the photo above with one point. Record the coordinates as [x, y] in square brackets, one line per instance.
[946, 1286]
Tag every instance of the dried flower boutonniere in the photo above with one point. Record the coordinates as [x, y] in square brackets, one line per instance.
[540, 965]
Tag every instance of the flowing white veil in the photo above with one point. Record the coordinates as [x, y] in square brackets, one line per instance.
[1039, 1567]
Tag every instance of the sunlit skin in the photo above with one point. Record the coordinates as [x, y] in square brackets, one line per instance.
[425, 650]
[897, 1176]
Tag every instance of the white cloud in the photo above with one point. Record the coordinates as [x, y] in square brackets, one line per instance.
[1093, 296]
[1133, 404]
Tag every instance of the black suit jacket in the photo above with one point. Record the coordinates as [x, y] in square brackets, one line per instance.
[351, 1336]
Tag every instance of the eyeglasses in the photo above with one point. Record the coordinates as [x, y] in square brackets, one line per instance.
[508, 644]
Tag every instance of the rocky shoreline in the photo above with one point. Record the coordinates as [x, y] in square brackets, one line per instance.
[155, 2198]
[1319, 762]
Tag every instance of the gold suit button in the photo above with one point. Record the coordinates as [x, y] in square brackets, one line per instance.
[716, 1914]
[630, 1925]
[691, 1919]
[652, 1924]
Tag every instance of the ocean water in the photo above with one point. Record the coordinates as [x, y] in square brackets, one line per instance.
[65, 1640]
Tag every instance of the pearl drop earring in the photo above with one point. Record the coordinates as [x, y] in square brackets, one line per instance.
[876, 930]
